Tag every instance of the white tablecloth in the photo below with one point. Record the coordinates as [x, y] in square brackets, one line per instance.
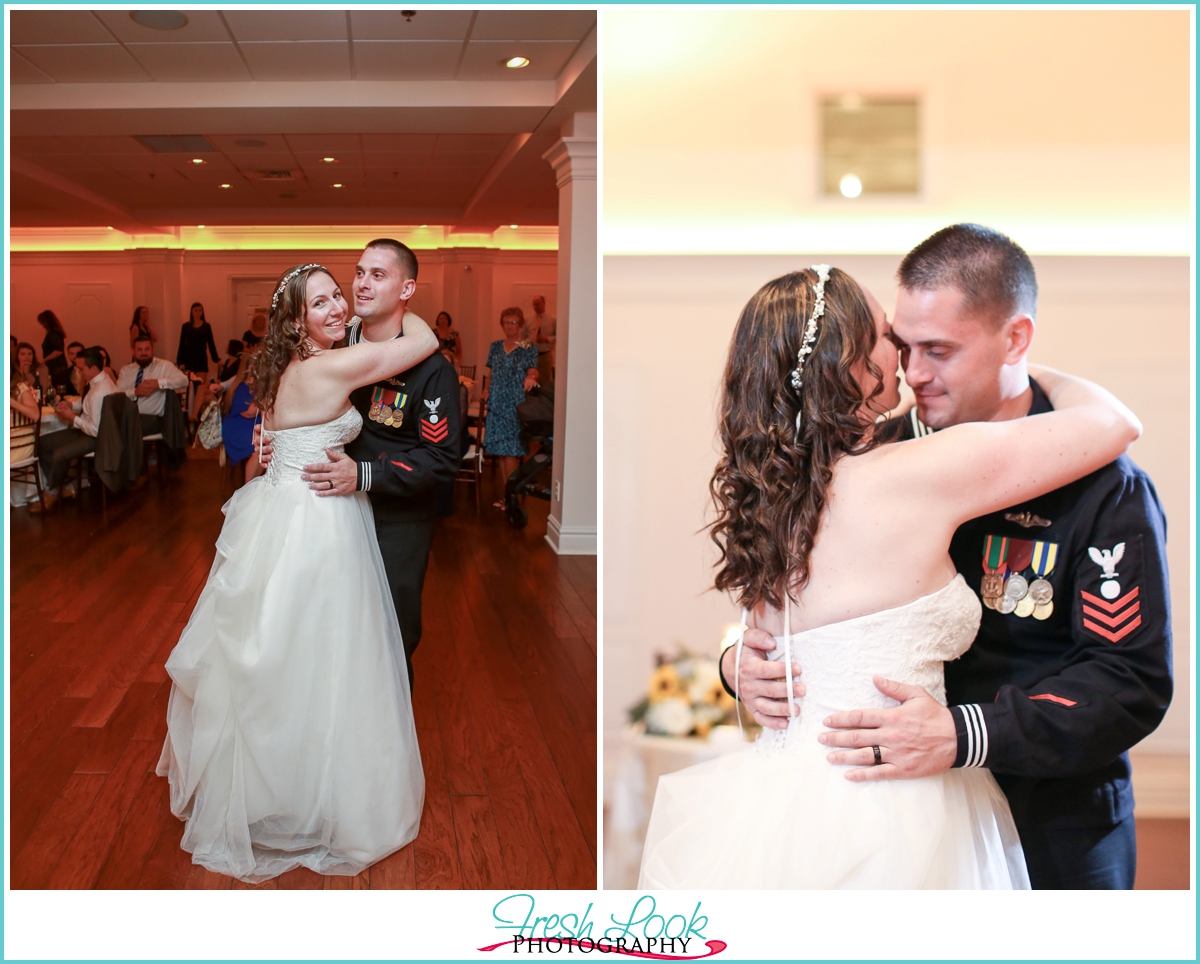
[641, 760]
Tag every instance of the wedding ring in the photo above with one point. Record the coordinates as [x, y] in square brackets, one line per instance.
[878, 755]
[330, 484]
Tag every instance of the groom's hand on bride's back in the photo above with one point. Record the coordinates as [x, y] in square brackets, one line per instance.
[762, 683]
[915, 739]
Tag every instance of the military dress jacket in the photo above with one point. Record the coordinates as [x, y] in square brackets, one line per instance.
[410, 437]
[1051, 695]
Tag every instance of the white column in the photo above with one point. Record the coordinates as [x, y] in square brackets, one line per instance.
[158, 284]
[571, 529]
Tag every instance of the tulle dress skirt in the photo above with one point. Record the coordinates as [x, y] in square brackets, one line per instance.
[771, 817]
[291, 740]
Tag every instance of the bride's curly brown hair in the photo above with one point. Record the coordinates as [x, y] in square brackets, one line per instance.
[286, 336]
[771, 484]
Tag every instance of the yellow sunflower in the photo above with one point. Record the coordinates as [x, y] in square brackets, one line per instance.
[664, 684]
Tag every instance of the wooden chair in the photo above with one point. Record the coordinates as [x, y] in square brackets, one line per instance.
[467, 371]
[22, 432]
[471, 467]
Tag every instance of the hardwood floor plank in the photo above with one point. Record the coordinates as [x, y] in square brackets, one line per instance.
[116, 572]
[396, 871]
[478, 844]
[360, 881]
[200, 878]
[108, 653]
[272, 884]
[38, 857]
[85, 854]
[112, 738]
[31, 753]
[153, 723]
[135, 837]
[301, 878]
[43, 787]
[435, 849]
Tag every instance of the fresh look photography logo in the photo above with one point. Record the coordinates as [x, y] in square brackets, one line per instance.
[644, 931]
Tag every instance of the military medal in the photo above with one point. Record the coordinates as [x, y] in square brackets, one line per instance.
[1019, 553]
[1025, 607]
[1043, 610]
[995, 551]
[1006, 605]
[386, 407]
[1045, 554]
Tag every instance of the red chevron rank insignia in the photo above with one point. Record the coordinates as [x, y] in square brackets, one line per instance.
[1112, 620]
[435, 431]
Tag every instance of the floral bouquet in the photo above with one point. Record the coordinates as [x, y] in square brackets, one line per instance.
[685, 697]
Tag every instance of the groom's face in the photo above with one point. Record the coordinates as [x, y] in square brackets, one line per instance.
[952, 358]
[380, 284]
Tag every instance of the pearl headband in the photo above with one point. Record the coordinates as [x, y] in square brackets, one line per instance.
[810, 332]
[288, 277]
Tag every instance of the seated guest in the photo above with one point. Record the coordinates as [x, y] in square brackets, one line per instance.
[107, 362]
[227, 370]
[448, 337]
[240, 411]
[59, 448]
[77, 379]
[21, 399]
[257, 330]
[28, 369]
[152, 381]
[211, 390]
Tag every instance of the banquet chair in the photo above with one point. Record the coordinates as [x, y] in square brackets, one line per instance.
[22, 432]
[468, 371]
[471, 466]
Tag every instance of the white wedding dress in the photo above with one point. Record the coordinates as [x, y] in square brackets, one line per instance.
[778, 815]
[290, 730]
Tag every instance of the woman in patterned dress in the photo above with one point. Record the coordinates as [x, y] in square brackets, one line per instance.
[513, 364]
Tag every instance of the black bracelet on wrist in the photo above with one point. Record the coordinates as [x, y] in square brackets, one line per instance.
[721, 673]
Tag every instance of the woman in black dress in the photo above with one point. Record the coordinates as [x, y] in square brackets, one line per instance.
[196, 343]
[140, 326]
[54, 350]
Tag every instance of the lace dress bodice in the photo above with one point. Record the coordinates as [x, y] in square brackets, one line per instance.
[908, 643]
[306, 445]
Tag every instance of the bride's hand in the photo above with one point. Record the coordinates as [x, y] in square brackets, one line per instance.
[762, 684]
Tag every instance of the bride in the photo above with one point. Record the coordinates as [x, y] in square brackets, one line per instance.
[290, 730]
[840, 544]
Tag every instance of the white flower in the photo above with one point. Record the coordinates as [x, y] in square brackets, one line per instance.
[704, 676]
[672, 716]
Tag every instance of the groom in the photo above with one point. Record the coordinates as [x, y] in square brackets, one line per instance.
[1072, 663]
[410, 437]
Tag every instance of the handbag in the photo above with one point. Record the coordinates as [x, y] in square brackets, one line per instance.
[209, 432]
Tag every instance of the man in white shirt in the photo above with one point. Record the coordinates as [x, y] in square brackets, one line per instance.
[546, 332]
[152, 381]
[57, 449]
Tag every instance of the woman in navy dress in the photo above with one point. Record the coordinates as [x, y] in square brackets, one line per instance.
[514, 372]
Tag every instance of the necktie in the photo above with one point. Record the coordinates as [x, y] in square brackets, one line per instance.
[141, 373]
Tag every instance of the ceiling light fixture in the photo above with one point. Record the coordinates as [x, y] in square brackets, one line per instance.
[110, 227]
[226, 185]
[514, 226]
[517, 62]
[337, 185]
[200, 226]
[329, 160]
[159, 19]
[850, 186]
[197, 160]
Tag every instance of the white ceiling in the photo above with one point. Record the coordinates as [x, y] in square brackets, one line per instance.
[425, 123]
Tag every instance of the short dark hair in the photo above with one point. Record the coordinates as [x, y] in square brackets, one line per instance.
[93, 357]
[403, 253]
[235, 347]
[75, 344]
[142, 336]
[992, 271]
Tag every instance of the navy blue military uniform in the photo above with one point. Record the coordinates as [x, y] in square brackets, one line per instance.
[1051, 705]
[409, 443]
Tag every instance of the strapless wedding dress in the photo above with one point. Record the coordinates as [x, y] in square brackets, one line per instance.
[778, 815]
[290, 730]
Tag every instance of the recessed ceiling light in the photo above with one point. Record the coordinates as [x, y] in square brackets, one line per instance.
[110, 227]
[850, 186]
[226, 185]
[337, 185]
[159, 19]
[200, 226]
[329, 160]
[197, 160]
[424, 225]
[513, 226]
[517, 62]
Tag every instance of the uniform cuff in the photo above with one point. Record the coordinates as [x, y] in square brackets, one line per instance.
[972, 735]
[364, 477]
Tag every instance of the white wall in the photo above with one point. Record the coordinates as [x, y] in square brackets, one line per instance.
[1124, 322]
[71, 283]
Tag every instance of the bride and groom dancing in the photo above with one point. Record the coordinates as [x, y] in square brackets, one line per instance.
[997, 530]
[291, 739]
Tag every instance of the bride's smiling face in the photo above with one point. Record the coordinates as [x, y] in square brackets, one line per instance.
[324, 310]
[887, 356]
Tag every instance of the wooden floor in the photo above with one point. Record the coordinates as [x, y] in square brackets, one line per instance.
[505, 699]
